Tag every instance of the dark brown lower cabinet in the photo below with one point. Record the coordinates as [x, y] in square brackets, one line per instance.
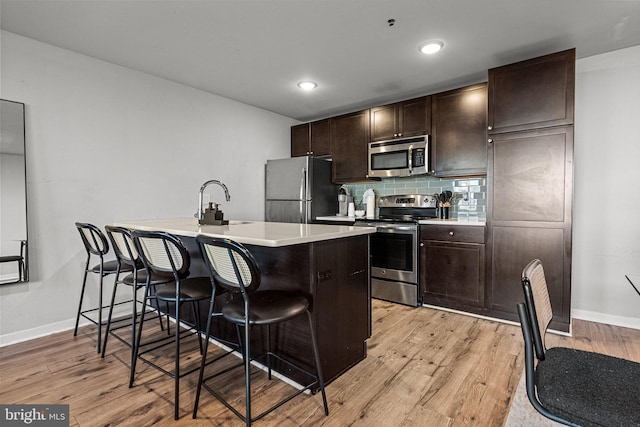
[335, 274]
[452, 266]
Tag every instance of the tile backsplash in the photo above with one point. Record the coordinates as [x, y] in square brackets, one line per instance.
[470, 193]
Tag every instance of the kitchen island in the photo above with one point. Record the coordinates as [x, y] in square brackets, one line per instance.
[330, 263]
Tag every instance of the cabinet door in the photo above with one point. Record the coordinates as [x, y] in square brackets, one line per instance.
[452, 273]
[512, 248]
[320, 138]
[531, 176]
[414, 117]
[532, 94]
[384, 122]
[341, 304]
[530, 189]
[459, 136]
[300, 140]
[349, 143]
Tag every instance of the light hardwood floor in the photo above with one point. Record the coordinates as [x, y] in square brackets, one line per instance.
[424, 367]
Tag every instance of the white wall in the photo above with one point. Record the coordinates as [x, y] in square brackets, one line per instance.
[606, 231]
[105, 143]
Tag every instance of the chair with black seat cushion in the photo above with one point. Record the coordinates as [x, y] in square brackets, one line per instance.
[234, 269]
[163, 253]
[95, 244]
[19, 259]
[569, 386]
[126, 254]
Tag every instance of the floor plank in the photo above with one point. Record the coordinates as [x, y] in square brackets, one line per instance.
[424, 367]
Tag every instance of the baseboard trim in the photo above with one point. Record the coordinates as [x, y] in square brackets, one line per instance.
[609, 319]
[53, 328]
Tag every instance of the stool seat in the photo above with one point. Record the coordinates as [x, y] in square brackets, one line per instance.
[267, 307]
[111, 267]
[142, 276]
[191, 289]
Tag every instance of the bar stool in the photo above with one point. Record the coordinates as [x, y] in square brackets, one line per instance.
[126, 254]
[96, 244]
[233, 268]
[163, 253]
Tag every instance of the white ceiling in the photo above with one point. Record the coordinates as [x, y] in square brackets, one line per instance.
[255, 51]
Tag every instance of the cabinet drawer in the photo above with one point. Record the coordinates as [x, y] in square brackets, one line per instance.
[452, 233]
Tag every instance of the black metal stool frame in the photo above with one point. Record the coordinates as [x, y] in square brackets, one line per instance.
[172, 247]
[126, 254]
[239, 286]
[95, 243]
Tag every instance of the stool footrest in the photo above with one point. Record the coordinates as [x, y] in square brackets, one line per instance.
[263, 367]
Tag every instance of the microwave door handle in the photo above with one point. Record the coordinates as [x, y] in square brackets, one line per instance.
[427, 155]
[411, 159]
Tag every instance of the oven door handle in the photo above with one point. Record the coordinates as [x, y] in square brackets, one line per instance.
[395, 229]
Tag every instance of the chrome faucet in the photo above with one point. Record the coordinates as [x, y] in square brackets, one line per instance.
[205, 185]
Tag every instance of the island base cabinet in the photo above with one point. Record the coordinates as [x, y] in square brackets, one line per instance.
[335, 273]
[342, 306]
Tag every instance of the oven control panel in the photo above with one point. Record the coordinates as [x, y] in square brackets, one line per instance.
[408, 201]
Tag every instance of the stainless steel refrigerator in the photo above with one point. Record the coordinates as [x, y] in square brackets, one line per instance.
[299, 189]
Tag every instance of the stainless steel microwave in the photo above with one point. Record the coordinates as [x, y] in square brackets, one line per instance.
[399, 157]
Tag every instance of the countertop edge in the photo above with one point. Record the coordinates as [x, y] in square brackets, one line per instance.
[258, 233]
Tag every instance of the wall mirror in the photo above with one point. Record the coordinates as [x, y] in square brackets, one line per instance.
[14, 253]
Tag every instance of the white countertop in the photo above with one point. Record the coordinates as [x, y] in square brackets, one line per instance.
[454, 221]
[336, 218]
[272, 234]
[436, 221]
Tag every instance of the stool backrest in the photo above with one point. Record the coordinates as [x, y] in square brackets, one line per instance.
[230, 264]
[537, 303]
[123, 245]
[94, 241]
[162, 252]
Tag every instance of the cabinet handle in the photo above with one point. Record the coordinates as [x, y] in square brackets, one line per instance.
[395, 135]
[399, 134]
[421, 244]
[490, 141]
[489, 127]
[451, 233]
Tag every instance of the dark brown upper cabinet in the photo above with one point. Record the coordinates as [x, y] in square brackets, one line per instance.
[459, 132]
[532, 94]
[349, 144]
[406, 118]
[311, 139]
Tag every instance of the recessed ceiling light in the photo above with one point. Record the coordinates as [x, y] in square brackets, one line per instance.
[430, 46]
[307, 85]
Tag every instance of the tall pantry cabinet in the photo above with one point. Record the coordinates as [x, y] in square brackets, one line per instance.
[530, 177]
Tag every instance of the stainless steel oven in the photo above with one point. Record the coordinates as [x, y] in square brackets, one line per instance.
[394, 263]
[394, 247]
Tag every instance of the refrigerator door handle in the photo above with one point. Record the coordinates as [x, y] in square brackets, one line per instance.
[303, 185]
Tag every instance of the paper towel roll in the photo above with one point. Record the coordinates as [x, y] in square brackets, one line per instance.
[371, 207]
